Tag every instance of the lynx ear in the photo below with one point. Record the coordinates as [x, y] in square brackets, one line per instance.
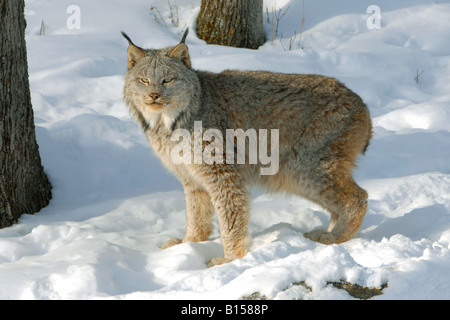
[181, 51]
[134, 52]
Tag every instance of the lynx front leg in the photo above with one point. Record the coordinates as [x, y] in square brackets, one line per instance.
[233, 215]
[199, 211]
[230, 197]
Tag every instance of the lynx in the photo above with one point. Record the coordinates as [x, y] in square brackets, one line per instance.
[323, 128]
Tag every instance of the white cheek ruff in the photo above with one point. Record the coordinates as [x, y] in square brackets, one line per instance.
[168, 117]
[154, 119]
[151, 117]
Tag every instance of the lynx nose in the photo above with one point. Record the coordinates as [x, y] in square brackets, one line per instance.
[154, 95]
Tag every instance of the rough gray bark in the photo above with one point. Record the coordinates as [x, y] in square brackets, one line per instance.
[24, 187]
[235, 23]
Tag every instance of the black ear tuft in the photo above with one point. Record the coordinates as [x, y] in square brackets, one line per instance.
[126, 37]
[183, 40]
[134, 52]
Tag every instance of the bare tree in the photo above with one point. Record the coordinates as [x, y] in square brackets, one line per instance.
[24, 187]
[235, 23]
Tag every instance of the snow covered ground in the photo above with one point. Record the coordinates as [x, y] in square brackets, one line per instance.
[114, 204]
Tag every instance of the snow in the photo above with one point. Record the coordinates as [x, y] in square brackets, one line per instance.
[114, 204]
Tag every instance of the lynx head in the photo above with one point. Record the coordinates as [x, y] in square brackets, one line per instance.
[160, 84]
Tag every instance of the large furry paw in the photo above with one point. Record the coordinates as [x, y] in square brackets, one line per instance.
[321, 236]
[217, 262]
[172, 242]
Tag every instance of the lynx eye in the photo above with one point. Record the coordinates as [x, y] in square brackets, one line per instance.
[144, 81]
[167, 80]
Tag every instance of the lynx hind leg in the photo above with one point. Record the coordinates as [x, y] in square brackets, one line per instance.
[347, 204]
[341, 196]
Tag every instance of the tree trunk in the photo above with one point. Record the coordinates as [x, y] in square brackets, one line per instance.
[235, 23]
[24, 187]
